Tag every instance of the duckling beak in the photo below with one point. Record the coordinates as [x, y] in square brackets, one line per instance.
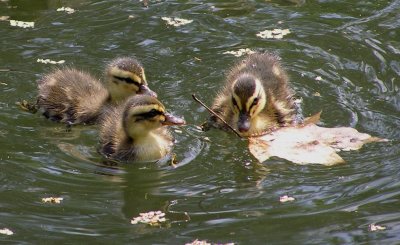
[244, 122]
[172, 120]
[144, 89]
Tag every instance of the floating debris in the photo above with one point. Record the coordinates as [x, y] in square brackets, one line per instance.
[145, 3]
[308, 143]
[68, 10]
[317, 94]
[4, 18]
[286, 198]
[174, 21]
[204, 242]
[318, 78]
[22, 24]
[48, 61]
[240, 52]
[373, 227]
[6, 231]
[2, 83]
[153, 218]
[56, 200]
[274, 34]
[198, 242]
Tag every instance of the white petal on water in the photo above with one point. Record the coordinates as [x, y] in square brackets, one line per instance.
[240, 52]
[48, 61]
[68, 10]
[22, 24]
[174, 21]
[274, 34]
[6, 231]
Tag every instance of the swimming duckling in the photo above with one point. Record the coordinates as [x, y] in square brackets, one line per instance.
[134, 131]
[72, 96]
[255, 98]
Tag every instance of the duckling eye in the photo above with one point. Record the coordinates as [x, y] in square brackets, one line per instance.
[234, 102]
[128, 80]
[153, 113]
[255, 101]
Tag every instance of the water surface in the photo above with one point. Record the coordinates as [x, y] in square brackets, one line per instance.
[218, 192]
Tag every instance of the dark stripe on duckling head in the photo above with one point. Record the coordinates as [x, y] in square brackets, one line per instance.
[244, 88]
[128, 80]
[143, 107]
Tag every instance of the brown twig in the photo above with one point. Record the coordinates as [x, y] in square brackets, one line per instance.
[215, 114]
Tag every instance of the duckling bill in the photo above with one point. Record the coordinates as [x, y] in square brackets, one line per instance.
[256, 97]
[72, 96]
[135, 131]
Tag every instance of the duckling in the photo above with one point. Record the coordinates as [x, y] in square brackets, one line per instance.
[134, 131]
[75, 97]
[256, 97]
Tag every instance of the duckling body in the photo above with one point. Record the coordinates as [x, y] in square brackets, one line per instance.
[134, 131]
[256, 96]
[72, 96]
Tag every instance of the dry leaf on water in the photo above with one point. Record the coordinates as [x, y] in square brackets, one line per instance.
[309, 143]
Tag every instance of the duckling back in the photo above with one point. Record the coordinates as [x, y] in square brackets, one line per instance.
[71, 96]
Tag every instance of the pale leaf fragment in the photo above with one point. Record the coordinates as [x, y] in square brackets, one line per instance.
[174, 21]
[68, 10]
[373, 227]
[286, 198]
[198, 242]
[274, 34]
[240, 52]
[48, 61]
[4, 18]
[309, 143]
[153, 218]
[56, 200]
[6, 231]
[22, 24]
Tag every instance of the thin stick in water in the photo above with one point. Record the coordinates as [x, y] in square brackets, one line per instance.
[215, 114]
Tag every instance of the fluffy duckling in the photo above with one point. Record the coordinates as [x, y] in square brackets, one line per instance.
[256, 96]
[75, 97]
[134, 131]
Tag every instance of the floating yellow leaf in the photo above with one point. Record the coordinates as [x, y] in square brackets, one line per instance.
[309, 143]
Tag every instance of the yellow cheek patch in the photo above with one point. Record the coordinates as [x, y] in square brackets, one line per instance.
[238, 102]
[135, 78]
[144, 81]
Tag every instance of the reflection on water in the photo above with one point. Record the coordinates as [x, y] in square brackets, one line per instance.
[342, 58]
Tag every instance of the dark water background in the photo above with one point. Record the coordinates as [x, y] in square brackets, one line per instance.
[354, 46]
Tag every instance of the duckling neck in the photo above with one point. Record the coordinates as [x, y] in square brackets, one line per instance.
[151, 147]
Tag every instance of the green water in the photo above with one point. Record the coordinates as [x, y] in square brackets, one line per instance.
[218, 192]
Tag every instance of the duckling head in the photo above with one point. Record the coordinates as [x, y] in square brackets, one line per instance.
[248, 100]
[126, 77]
[143, 114]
